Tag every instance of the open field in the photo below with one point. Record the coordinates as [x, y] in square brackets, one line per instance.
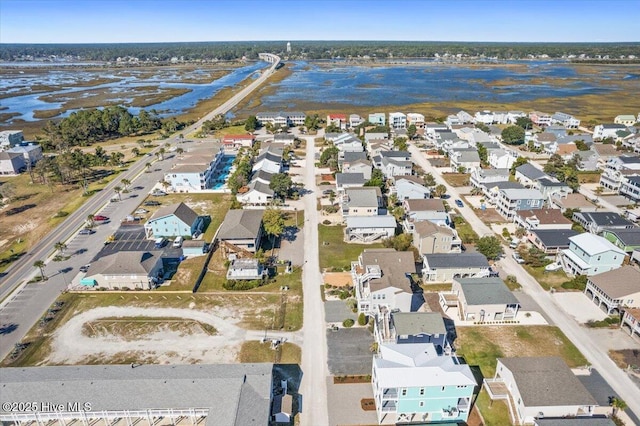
[494, 413]
[255, 351]
[546, 279]
[482, 345]
[153, 327]
[334, 252]
[456, 179]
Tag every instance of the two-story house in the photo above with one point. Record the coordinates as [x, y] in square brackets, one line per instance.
[355, 120]
[542, 219]
[630, 187]
[241, 232]
[590, 254]
[431, 209]
[407, 188]
[626, 239]
[528, 175]
[501, 159]
[567, 120]
[610, 130]
[412, 327]
[397, 120]
[597, 222]
[482, 299]
[615, 290]
[616, 168]
[481, 178]
[382, 278]
[464, 159]
[378, 119]
[551, 241]
[540, 119]
[395, 163]
[445, 267]
[175, 220]
[414, 383]
[415, 119]
[431, 238]
[360, 165]
[511, 200]
[364, 201]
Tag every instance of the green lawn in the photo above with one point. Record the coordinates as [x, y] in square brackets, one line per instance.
[334, 252]
[482, 345]
[293, 218]
[465, 231]
[254, 351]
[494, 413]
[547, 279]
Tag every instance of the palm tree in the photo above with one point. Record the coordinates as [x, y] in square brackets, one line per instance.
[135, 151]
[162, 151]
[440, 190]
[165, 184]
[60, 246]
[40, 265]
[90, 222]
[599, 190]
[118, 190]
[618, 404]
[148, 167]
[125, 183]
[180, 151]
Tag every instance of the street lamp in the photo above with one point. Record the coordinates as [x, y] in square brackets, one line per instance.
[295, 209]
[63, 277]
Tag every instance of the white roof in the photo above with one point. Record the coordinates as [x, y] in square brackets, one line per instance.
[383, 221]
[593, 244]
[418, 364]
[523, 194]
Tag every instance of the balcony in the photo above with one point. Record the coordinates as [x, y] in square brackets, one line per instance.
[388, 406]
[463, 404]
[390, 394]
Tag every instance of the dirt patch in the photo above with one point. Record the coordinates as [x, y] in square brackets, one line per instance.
[626, 357]
[489, 216]
[368, 404]
[341, 380]
[338, 279]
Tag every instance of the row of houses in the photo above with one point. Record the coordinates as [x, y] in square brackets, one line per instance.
[268, 162]
[16, 155]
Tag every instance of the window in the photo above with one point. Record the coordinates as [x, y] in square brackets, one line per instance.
[421, 403]
[443, 388]
[421, 391]
[599, 257]
[403, 392]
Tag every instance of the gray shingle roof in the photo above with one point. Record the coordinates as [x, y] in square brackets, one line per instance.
[547, 381]
[456, 260]
[530, 171]
[125, 263]
[353, 156]
[260, 187]
[412, 323]
[579, 421]
[350, 179]
[362, 198]
[395, 265]
[619, 282]
[628, 237]
[554, 237]
[605, 218]
[395, 154]
[486, 291]
[245, 398]
[239, 223]
[180, 210]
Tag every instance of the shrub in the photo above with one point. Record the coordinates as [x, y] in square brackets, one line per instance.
[240, 285]
[577, 283]
[348, 323]
[326, 222]
[505, 233]
[362, 319]
[61, 213]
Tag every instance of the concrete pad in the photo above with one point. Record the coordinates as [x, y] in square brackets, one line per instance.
[616, 200]
[348, 350]
[344, 404]
[579, 306]
[336, 311]
[614, 338]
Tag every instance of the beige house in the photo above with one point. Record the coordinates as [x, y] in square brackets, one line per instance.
[430, 238]
[240, 232]
[631, 320]
[482, 299]
[616, 289]
[125, 269]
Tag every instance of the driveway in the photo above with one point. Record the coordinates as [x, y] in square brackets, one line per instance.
[336, 311]
[579, 306]
[292, 246]
[349, 351]
[344, 400]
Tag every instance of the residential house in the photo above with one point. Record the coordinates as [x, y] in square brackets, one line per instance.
[431, 209]
[616, 168]
[371, 136]
[605, 131]
[415, 119]
[500, 117]
[377, 146]
[351, 157]
[349, 180]
[432, 129]
[464, 117]
[484, 117]
[630, 187]
[32, 152]
[338, 120]
[512, 116]
[587, 160]
[412, 327]
[544, 141]
[481, 300]
[511, 200]
[414, 383]
[361, 202]
[481, 178]
[631, 319]
[382, 280]
[11, 163]
[567, 120]
[125, 269]
[346, 142]
[626, 239]
[356, 162]
[10, 138]
[256, 193]
[395, 163]
[474, 136]
[464, 159]
[245, 269]
[397, 120]
[196, 170]
[492, 190]
[241, 232]
[238, 141]
[409, 189]
[284, 138]
[440, 267]
[501, 159]
[551, 186]
[281, 119]
[551, 241]
[536, 387]
[614, 290]
[262, 176]
[355, 120]
[269, 160]
[430, 238]
[589, 254]
[559, 130]
[542, 219]
[540, 119]
[378, 119]
[175, 220]
[625, 120]
[597, 222]
[366, 229]
[572, 201]
[194, 248]
[527, 174]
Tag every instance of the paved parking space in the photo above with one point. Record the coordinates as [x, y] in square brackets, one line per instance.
[336, 311]
[527, 303]
[292, 246]
[344, 402]
[579, 306]
[132, 238]
[349, 351]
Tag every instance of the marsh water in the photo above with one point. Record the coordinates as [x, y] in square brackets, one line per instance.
[330, 83]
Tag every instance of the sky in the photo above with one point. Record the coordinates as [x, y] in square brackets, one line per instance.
[122, 21]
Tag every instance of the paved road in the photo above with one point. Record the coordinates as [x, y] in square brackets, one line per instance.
[314, 349]
[21, 310]
[584, 341]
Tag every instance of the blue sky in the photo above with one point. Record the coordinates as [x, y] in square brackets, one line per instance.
[105, 21]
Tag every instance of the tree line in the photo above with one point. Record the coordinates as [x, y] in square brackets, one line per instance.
[162, 52]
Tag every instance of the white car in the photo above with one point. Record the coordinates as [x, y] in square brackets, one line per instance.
[141, 211]
[517, 258]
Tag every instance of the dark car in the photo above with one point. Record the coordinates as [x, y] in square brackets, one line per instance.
[459, 203]
[100, 218]
[86, 231]
[84, 268]
[152, 203]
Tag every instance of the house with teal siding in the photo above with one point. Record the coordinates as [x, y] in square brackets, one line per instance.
[626, 239]
[415, 383]
[174, 221]
[590, 254]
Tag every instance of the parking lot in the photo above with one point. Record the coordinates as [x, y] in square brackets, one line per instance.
[132, 238]
[349, 351]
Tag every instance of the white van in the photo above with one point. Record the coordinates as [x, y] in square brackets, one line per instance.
[159, 243]
[177, 243]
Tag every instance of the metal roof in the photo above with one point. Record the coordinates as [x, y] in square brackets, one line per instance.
[486, 291]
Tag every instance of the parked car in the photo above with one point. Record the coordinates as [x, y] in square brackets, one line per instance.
[85, 268]
[152, 203]
[141, 211]
[514, 243]
[100, 218]
[86, 231]
[158, 193]
[159, 242]
[517, 258]
[177, 243]
[459, 203]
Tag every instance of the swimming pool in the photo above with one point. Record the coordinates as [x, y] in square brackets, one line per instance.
[222, 172]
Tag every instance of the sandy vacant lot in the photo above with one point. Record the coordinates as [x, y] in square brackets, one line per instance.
[154, 334]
